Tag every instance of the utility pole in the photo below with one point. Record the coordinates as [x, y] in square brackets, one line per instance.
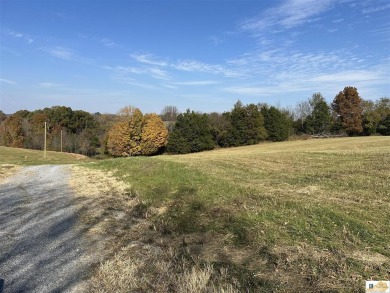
[61, 140]
[44, 147]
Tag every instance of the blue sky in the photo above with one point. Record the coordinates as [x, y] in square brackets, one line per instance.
[204, 55]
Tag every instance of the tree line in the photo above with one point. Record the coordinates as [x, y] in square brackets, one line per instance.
[132, 133]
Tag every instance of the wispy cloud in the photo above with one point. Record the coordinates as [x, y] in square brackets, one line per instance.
[198, 66]
[329, 83]
[350, 76]
[376, 8]
[61, 52]
[7, 81]
[289, 14]
[108, 43]
[196, 82]
[49, 85]
[14, 34]
[67, 54]
[18, 35]
[132, 81]
[216, 41]
[157, 73]
[188, 65]
[149, 59]
[125, 69]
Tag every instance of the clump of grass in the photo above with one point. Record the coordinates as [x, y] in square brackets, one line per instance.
[140, 268]
[6, 170]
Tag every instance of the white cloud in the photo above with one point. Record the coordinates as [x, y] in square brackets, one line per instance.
[13, 34]
[125, 69]
[196, 82]
[216, 41]
[377, 8]
[158, 73]
[350, 76]
[61, 52]
[169, 86]
[266, 90]
[289, 14]
[108, 43]
[148, 59]
[19, 35]
[7, 81]
[367, 81]
[197, 66]
[66, 54]
[49, 85]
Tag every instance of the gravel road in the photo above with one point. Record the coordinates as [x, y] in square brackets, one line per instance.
[42, 247]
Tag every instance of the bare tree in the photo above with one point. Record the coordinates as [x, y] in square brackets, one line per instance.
[169, 113]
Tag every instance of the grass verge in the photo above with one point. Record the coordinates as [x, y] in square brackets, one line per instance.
[282, 217]
[19, 156]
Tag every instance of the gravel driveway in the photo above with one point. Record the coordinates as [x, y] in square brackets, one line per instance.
[41, 247]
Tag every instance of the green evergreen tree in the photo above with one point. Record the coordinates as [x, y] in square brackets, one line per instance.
[384, 126]
[275, 123]
[191, 133]
[221, 129]
[320, 118]
[247, 125]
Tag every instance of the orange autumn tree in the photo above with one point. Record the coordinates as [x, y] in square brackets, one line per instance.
[154, 135]
[137, 134]
[118, 142]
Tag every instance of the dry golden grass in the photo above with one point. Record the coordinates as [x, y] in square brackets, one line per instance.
[140, 268]
[95, 183]
[7, 170]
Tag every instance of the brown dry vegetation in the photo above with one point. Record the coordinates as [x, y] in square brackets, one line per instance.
[7, 170]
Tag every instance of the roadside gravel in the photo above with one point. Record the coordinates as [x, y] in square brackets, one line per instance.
[43, 248]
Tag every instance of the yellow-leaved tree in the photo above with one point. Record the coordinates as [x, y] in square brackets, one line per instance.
[154, 135]
[137, 134]
[118, 141]
[136, 125]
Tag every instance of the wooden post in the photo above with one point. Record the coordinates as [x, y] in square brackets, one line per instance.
[61, 141]
[44, 147]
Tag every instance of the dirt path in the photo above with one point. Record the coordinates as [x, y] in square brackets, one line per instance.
[41, 247]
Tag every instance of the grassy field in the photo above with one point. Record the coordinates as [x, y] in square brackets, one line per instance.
[299, 216]
[18, 156]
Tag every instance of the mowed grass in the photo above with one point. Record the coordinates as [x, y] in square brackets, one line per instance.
[326, 201]
[19, 156]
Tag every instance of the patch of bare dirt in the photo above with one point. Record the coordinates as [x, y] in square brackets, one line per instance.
[79, 156]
